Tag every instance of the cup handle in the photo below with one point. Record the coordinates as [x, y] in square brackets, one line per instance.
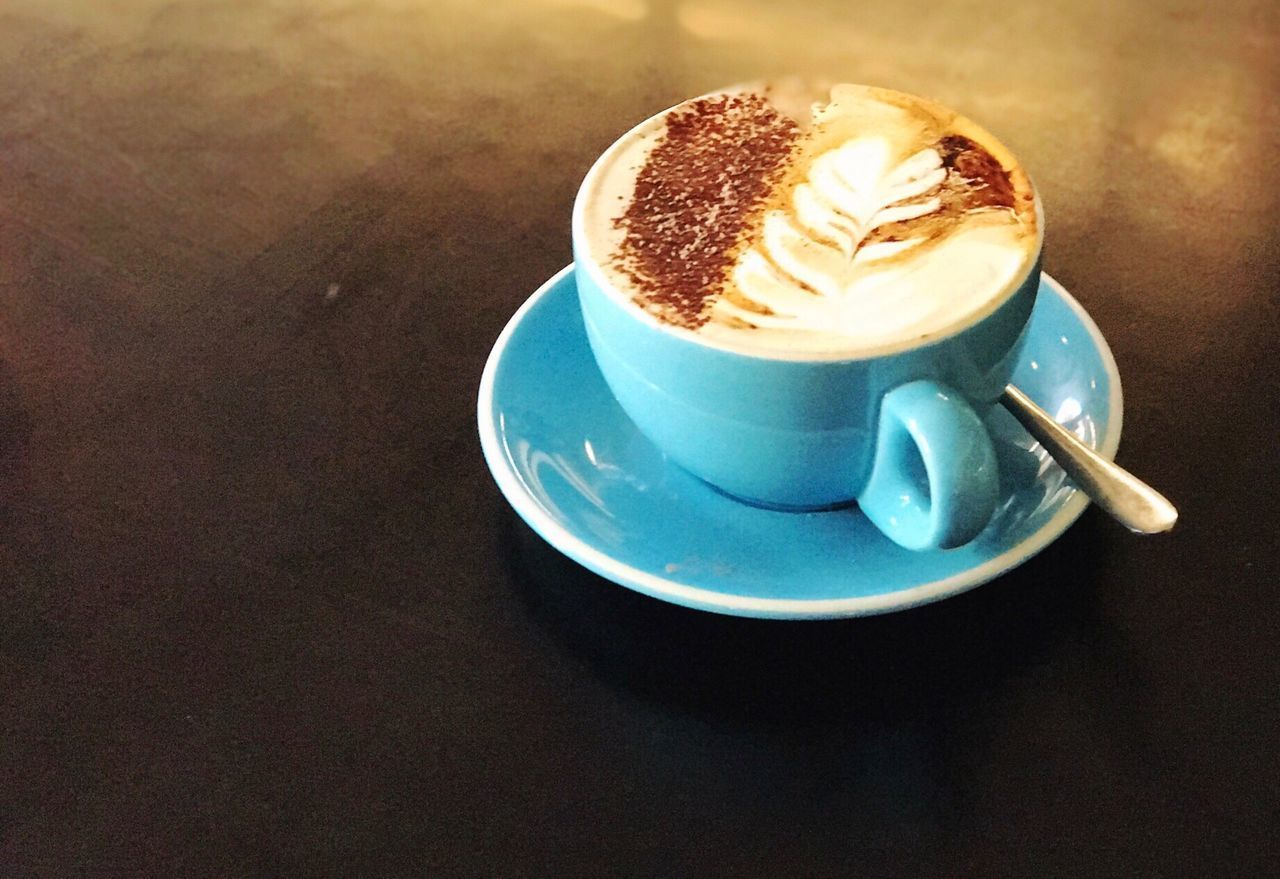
[934, 481]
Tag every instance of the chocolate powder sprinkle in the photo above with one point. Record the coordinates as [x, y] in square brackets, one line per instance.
[702, 186]
[987, 182]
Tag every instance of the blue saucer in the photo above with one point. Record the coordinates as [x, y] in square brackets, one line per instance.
[576, 469]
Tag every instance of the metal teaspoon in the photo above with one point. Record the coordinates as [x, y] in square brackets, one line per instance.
[1132, 502]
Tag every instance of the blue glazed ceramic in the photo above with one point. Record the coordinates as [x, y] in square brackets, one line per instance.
[576, 468]
[807, 433]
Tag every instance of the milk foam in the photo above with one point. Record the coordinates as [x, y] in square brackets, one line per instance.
[864, 249]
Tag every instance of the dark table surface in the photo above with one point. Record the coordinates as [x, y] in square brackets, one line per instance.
[263, 611]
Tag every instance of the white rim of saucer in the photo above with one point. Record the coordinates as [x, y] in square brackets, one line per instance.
[588, 556]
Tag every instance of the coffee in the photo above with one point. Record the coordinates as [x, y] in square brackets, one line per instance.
[870, 222]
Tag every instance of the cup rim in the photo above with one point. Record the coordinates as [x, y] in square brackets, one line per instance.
[585, 260]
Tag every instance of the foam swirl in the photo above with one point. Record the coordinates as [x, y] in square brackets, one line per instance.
[819, 267]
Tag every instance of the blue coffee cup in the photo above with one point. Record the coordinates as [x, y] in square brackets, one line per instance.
[899, 432]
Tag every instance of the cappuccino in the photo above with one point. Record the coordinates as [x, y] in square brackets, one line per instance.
[778, 222]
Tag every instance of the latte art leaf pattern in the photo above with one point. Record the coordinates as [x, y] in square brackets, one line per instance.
[784, 219]
[846, 198]
[815, 262]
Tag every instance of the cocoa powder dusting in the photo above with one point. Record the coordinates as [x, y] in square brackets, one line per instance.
[702, 186]
[987, 184]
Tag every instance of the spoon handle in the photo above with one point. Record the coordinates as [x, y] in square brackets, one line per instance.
[1131, 501]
